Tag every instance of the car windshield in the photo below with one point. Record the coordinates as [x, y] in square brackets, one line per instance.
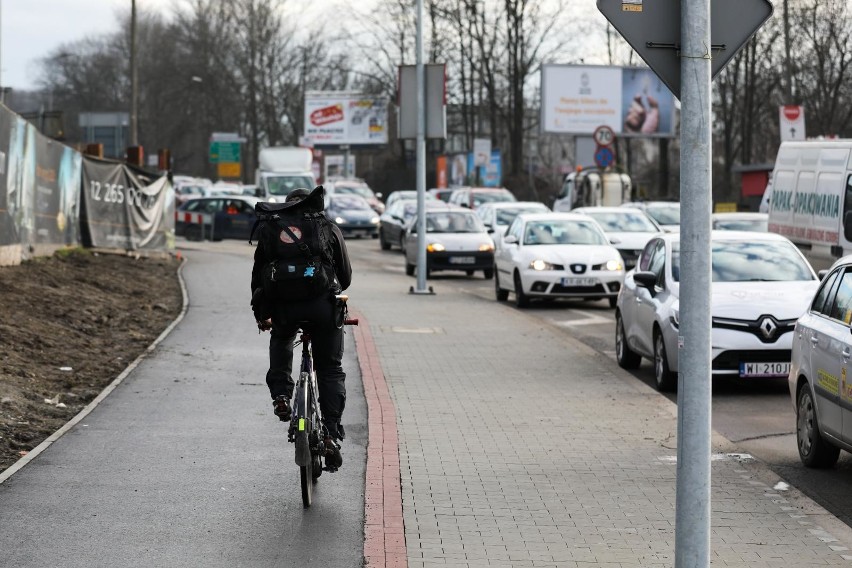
[453, 223]
[480, 197]
[361, 190]
[283, 185]
[563, 232]
[506, 216]
[664, 214]
[756, 261]
[349, 202]
[755, 225]
[623, 222]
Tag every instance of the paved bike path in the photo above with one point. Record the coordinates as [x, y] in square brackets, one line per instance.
[184, 463]
[521, 447]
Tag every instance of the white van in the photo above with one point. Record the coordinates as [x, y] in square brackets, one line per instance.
[811, 201]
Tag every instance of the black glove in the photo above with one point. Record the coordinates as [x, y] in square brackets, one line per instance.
[260, 306]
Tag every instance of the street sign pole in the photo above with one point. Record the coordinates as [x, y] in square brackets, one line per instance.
[692, 511]
[421, 159]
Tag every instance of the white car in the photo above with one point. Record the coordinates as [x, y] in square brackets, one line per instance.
[498, 215]
[557, 255]
[740, 221]
[761, 285]
[665, 213]
[819, 386]
[628, 229]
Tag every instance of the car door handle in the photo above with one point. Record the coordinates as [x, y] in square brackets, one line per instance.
[846, 353]
[814, 339]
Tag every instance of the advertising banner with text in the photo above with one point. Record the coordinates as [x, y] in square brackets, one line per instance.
[39, 191]
[340, 118]
[633, 101]
[125, 208]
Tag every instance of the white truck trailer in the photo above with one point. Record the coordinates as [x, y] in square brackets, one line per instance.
[281, 169]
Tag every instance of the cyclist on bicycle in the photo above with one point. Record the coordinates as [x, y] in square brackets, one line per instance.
[301, 241]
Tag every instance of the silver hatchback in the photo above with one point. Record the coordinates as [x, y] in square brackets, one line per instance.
[819, 386]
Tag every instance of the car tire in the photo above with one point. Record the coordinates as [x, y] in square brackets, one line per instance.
[814, 451]
[488, 273]
[192, 233]
[409, 269]
[402, 244]
[499, 293]
[469, 272]
[382, 242]
[626, 357]
[521, 299]
[664, 379]
[613, 301]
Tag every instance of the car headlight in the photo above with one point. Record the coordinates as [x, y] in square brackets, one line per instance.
[435, 247]
[539, 264]
[614, 265]
[374, 220]
[273, 200]
[486, 247]
[339, 220]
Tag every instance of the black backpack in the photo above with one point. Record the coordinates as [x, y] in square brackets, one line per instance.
[299, 240]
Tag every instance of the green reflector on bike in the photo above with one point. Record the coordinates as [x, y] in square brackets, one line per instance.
[301, 424]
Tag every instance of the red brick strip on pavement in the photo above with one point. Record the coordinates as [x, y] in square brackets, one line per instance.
[384, 536]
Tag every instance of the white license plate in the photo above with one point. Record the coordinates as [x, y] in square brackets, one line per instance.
[764, 369]
[462, 260]
[579, 281]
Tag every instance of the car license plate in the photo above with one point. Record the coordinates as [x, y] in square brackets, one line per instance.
[462, 260]
[764, 369]
[579, 281]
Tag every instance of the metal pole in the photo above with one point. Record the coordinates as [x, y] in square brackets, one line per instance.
[346, 162]
[134, 87]
[421, 156]
[692, 517]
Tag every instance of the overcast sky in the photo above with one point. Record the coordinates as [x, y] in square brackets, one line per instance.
[30, 29]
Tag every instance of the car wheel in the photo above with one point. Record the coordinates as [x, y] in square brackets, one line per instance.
[521, 299]
[665, 379]
[409, 269]
[488, 273]
[469, 272]
[382, 243]
[192, 233]
[814, 451]
[402, 244]
[499, 293]
[613, 301]
[626, 357]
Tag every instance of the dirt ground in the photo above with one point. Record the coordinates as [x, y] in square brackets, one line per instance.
[69, 324]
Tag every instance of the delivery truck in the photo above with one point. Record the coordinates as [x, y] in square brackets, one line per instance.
[281, 169]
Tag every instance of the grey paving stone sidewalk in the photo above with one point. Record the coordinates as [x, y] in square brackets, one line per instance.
[520, 447]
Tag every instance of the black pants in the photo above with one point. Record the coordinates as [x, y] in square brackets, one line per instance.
[327, 345]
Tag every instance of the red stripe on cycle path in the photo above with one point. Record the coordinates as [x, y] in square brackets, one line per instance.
[384, 534]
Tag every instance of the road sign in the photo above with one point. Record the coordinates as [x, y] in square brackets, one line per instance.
[652, 28]
[604, 156]
[229, 170]
[221, 152]
[604, 135]
[792, 125]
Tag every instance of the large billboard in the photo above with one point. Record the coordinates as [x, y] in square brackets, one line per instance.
[342, 118]
[633, 101]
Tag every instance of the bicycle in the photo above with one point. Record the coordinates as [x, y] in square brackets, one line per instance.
[306, 429]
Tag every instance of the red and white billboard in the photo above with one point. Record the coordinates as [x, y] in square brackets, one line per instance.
[339, 117]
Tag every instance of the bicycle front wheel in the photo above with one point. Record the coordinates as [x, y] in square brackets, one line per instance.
[307, 477]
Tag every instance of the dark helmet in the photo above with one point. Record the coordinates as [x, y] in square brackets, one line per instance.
[297, 194]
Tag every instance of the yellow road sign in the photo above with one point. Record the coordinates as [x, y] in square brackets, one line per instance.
[229, 170]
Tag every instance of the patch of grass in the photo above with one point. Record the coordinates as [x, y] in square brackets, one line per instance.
[65, 252]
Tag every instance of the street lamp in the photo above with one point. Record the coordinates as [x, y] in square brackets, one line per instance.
[134, 88]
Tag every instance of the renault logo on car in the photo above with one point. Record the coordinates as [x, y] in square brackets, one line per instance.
[768, 327]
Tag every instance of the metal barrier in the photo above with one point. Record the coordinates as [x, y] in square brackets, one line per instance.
[203, 220]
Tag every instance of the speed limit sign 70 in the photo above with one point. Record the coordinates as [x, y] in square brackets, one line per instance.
[604, 136]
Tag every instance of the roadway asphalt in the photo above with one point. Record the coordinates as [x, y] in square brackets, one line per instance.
[183, 464]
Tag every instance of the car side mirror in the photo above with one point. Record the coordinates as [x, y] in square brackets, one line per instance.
[646, 280]
[397, 217]
[489, 230]
[510, 240]
[614, 240]
[258, 192]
